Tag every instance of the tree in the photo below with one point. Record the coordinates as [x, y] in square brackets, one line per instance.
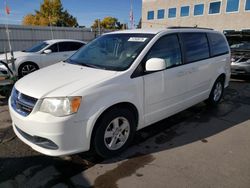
[95, 24]
[51, 13]
[29, 19]
[108, 23]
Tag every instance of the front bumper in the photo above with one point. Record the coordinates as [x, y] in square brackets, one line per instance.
[240, 69]
[54, 136]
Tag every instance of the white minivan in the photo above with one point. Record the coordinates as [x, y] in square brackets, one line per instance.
[117, 84]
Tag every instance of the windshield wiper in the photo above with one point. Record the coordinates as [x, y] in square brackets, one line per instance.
[93, 66]
[84, 64]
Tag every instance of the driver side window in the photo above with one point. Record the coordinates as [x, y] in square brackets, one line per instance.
[53, 48]
[167, 48]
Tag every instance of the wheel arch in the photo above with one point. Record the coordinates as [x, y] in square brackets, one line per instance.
[24, 63]
[222, 76]
[126, 105]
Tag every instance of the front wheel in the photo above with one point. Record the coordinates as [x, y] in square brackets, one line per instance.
[216, 93]
[26, 68]
[115, 130]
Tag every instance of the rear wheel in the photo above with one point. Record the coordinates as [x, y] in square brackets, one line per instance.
[115, 130]
[26, 68]
[216, 93]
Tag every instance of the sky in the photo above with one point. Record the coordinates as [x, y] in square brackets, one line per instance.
[86, 11]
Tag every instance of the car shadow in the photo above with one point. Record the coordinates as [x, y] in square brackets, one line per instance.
[3, 101]
[244, 78]
[39, 171]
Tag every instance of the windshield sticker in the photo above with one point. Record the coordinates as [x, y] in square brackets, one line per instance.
[137, 39]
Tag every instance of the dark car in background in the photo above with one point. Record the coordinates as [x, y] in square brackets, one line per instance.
[240, 51]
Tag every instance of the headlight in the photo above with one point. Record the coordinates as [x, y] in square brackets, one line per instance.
[60, 106]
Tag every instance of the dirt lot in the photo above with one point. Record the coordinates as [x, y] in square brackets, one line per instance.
[199, 147]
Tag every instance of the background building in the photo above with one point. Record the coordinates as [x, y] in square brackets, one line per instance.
[217, 14]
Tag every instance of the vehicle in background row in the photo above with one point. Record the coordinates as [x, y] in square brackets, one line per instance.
[41, 55]
[117, 84]
[240, 51]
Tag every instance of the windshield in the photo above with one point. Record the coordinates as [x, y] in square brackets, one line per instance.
[241, 46]
[112, 51]
[37, 47]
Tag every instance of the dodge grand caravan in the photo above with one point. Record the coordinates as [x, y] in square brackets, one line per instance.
[117, 84]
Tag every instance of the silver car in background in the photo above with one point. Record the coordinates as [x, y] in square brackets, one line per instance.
[239, 42]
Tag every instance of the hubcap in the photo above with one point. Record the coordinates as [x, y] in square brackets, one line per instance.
[217, 91]
[117, 133]
[28, 69]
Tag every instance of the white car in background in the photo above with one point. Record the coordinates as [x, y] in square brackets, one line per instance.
[42, 55]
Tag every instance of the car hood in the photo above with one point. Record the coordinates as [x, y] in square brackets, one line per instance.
[17, 54]
[61, 79]
[242, 53]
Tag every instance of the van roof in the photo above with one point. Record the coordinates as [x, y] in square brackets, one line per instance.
[159, 30]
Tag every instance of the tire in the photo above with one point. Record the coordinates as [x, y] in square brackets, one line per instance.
[26, 68]
[216, 92]
[115, 131]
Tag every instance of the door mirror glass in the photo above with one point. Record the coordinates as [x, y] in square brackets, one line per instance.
[48, 51]
[155, 64]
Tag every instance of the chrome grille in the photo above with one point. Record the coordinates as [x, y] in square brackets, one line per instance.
[21, 103]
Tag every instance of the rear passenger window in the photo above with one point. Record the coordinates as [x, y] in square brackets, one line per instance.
[69, 46]
[167, 48]
[218, 44]
[76, 45]
[195, 46]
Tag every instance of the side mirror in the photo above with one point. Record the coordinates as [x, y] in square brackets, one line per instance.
[48, 51]
[155, 64]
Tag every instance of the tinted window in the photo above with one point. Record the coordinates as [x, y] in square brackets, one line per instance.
[150, 15]
[37, 47]
[172, 13]
[53, 48]
[198, 9]
[247, 6]
[69, 46]
[168, 49]
[243, 45]
[214, 7]
[160, 14]
[195, 46]
[185, 11]
[76, 45]
[218, 44]
[232, 5]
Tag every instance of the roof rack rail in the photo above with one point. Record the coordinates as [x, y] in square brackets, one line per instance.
[180, 27]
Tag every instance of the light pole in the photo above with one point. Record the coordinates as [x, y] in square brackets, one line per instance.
[12, 59]
[131, 15]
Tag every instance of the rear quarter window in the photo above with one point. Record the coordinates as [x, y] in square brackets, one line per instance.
[218, 44]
